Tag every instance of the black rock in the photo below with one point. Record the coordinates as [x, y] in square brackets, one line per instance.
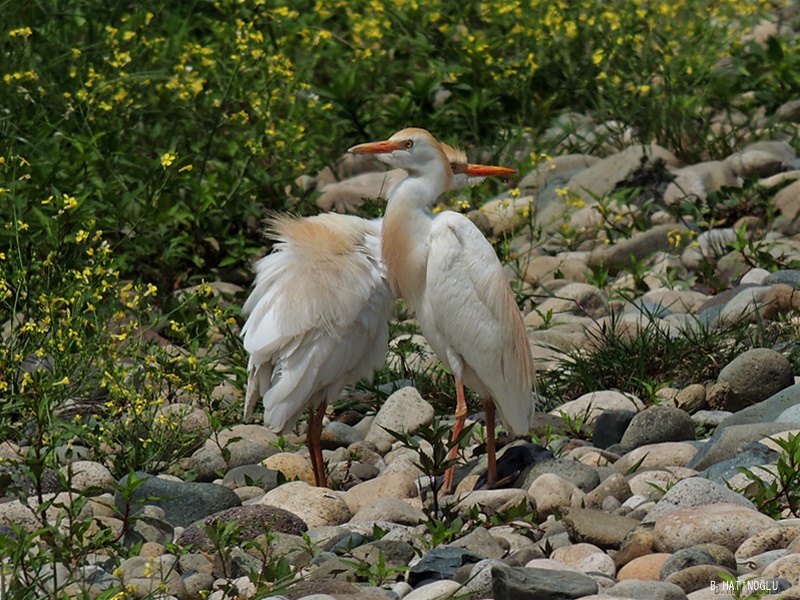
[514, 460]
[610, 426]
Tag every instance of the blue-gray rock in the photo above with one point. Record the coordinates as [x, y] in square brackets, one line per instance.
[788, 277]
[346, 433]
[347, 542]
[610, 426]
[641, 589]
[658, 424]
[725, 441]
[440, 563]
[757, 374]
[256, 475]
[579, 474]
[747, 456]
[767, 410]
[525, 583]
[148, 529]
[183, 502]
[682, 559]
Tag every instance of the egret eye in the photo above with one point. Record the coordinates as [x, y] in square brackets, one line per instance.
[409, 143]
[454, 167]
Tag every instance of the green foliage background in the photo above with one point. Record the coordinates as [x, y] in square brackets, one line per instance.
[241, 97]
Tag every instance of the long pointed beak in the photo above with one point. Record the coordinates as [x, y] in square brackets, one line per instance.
[384, 147]
[486, 170]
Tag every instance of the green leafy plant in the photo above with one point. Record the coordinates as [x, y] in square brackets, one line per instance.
[777, 492]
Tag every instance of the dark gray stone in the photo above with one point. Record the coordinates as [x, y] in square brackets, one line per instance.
[610, 426]
[583, 476]
[182, 502]
[525, 583]
[757, 374]
[394, 553]
[346, 433]
[658, 424]
[682, 559]
[256, 475]
[439, 564]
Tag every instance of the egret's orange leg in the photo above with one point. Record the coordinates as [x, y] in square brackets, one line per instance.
[461, 417]
[491, 454]
[313, 439]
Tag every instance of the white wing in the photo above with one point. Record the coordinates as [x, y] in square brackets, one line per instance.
[477, 323]
[318, 315]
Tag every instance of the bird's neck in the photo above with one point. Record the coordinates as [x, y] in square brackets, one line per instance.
[405, 238]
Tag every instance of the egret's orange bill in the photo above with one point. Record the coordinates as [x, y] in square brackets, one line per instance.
[383, 147]
[485, 170]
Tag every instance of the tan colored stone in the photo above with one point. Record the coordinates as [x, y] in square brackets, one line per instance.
[398, 485]
[316, 506]
[644, 567]
[725, 524]
[293, 466]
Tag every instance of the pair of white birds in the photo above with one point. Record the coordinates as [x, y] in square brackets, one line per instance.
[319, 310]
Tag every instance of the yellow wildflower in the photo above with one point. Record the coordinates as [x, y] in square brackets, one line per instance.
[168, 158]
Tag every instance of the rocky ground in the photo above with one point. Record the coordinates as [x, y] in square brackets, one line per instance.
[643, 510]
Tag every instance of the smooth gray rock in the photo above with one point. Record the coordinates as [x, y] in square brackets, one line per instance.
[525, 583]
[757, 374]
[788, 276]
[257, 475]
[183, 502]
[348, 434]
[480, 542]
[682, 559]
[604, 530]
[658, 424]
[579, 474]
[602, 177]
[725, 441]
[637, 247]
[640, 589]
